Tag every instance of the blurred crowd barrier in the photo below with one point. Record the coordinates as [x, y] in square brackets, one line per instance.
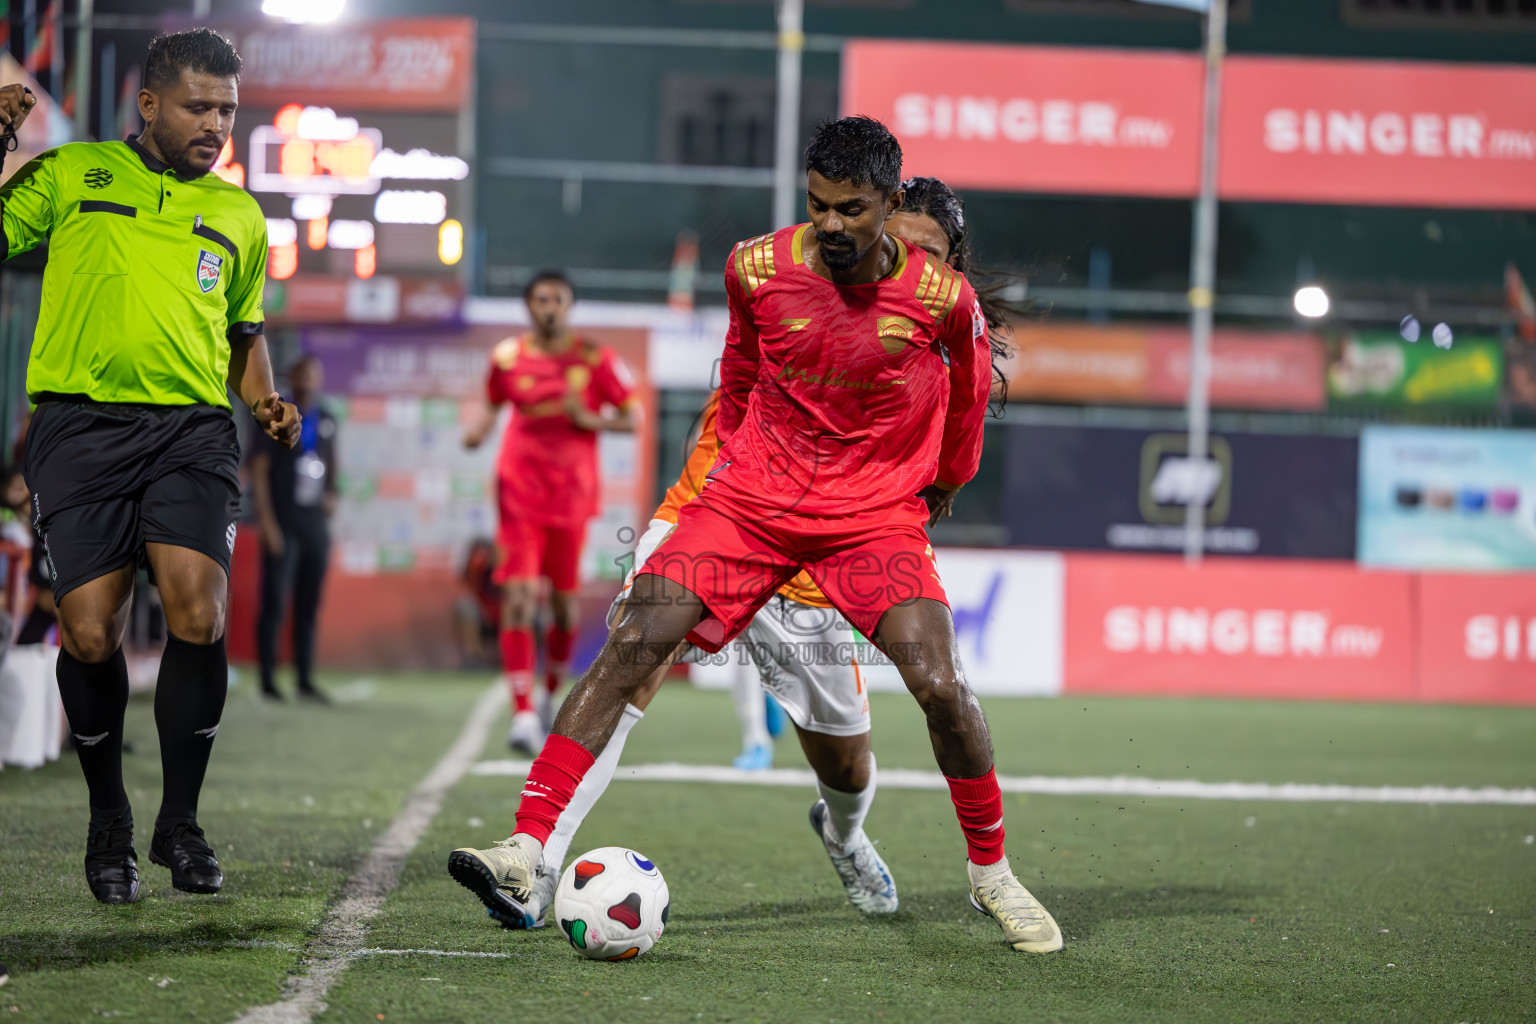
[1048, 623]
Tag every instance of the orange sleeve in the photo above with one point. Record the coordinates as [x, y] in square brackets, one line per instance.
[695, 471]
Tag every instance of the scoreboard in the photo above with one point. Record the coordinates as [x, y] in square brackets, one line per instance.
[357, 142]
[352, 193]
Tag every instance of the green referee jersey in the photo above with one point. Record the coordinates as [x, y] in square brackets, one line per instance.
[149, 275]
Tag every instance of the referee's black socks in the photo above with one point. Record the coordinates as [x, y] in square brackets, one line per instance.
[95, 698]
[189, 700]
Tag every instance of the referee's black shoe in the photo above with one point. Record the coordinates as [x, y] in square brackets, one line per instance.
[182, 848]
[111, 865]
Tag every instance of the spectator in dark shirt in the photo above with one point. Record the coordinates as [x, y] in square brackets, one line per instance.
[295, 491]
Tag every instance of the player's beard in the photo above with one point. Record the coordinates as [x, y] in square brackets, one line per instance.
[178, 152]
[839, 259]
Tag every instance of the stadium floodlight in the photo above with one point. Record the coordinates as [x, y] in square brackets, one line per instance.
[450, 242]
[1311, 302]
[303, 12]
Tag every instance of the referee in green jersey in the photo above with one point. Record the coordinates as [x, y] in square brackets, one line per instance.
[151, 306]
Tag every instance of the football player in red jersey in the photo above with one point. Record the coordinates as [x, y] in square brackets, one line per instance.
[559, 386]
[842, 432]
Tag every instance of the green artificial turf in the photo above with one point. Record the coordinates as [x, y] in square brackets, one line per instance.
[1173, 910]
[299, 792]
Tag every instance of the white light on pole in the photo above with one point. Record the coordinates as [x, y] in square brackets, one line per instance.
[303, 11]
[1311, 302]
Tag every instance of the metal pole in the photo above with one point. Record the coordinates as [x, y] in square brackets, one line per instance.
[786, 150]
[82, 87]
[1202, 282]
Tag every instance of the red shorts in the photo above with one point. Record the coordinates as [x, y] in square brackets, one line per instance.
[865, 564]
[526, 550]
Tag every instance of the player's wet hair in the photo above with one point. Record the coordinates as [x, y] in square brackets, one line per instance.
[857, 149]
[546, 275]
[937, 201]
[201, 51]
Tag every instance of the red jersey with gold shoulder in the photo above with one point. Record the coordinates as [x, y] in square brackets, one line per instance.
[548, 465]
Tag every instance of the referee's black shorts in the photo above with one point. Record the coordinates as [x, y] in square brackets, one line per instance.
[108, 478]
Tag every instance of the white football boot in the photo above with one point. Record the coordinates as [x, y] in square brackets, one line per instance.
[504, 877]
[866, 878]
[1027, 926]
[543, 898]
[527, 734]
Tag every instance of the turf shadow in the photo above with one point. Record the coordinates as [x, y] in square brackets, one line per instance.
[56, 951]
[762, 915]
[1081, 911]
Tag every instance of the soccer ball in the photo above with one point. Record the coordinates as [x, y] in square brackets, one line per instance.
[612, 904]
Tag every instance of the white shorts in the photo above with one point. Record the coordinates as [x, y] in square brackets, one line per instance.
[806, 657]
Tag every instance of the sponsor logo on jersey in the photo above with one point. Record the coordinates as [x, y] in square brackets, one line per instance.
[98, 177]
[209, 266]
[229, 536]
[835, 379]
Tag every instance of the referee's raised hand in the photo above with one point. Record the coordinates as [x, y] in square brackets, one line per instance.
[280, 420]
[16, 101]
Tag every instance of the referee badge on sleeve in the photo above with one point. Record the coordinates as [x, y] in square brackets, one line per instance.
[209, 266]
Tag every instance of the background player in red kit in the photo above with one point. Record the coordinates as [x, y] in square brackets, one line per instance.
[558, 385]
[843, 430]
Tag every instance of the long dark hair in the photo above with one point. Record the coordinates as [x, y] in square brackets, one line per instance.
[932, 198]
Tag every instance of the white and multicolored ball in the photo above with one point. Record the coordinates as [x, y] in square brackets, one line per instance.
[612, 904]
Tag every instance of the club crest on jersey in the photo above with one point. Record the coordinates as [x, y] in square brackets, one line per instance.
[209, 266]
[895, 333]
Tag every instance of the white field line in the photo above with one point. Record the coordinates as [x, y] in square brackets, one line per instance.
[433, 952]
[346, 924]
[1185, 789]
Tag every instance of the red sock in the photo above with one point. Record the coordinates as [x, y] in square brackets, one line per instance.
[979, 806]
[517, 663]
[552, 781]
[558, 644]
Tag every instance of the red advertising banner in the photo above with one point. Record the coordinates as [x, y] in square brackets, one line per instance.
[1308, 630]
[1477, 638]
[1034, 118]
[403, 64]
[1378, 132]
[1114, 122]
[1249, 370]
[1150, 366]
